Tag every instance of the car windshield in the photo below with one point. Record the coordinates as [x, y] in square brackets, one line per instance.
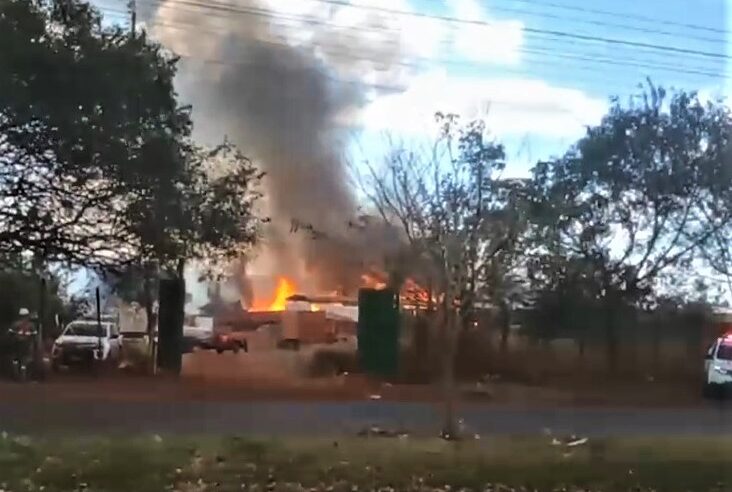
[89, 329]
[725, 351]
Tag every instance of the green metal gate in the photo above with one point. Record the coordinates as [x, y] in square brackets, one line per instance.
[378, 331]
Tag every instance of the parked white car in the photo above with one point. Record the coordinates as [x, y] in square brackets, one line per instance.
[85, 341]
[718, 367]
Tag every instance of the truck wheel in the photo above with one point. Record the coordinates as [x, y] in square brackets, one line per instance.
[219, 351]
[236, 348]
[245, 346]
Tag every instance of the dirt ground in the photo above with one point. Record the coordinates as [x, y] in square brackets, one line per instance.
[266, 373]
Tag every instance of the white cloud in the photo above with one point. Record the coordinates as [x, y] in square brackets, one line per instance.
[491, 41]
[415, 35]
[511, 107]
[363, 39]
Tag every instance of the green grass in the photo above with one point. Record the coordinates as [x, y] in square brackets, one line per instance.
[228, 463]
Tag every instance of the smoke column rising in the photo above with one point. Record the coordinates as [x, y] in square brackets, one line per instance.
[281, 91]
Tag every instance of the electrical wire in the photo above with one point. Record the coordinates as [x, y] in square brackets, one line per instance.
[623, 15]
[404, 63]
[230, 8]
[602, 23]
[590, 58]
[707, 72]
[254, 11]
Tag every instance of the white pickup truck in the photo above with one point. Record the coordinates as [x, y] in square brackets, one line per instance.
[85, 341]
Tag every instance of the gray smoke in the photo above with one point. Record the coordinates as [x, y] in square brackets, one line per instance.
[284, 105]
[282, 108]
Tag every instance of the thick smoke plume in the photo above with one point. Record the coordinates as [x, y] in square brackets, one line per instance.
[284, 89]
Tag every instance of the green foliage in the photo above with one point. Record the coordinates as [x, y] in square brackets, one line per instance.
[96, 163]
[633, 201]
[414, 464]
[129, 283]
[210, 213]
[86, 115]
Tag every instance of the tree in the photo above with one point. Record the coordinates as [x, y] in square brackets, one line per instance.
[91, 132]
[634, 199]
[97, 164]
[207, 213]
[448, 205]
[86, 115]
[502, 276]
[567, 297]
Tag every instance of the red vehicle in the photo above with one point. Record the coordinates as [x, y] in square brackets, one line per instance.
[224, 341]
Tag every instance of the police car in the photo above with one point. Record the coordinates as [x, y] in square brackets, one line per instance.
[718, 367]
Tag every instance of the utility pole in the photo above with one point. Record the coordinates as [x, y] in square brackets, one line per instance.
[132, 7]
[99, 319]
[41, 312]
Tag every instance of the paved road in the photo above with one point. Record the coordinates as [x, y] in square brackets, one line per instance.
[282, 418]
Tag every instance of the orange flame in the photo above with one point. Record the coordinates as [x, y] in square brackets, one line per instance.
[412, 294]
[372, 282]
[285, 289]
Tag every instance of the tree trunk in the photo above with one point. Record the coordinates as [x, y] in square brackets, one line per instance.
[581, 346]
[39, 349]
[150, 316]
[449, 426]
[421, 348]
[504, 315]
[180, 269]
[611, 338]
[656, 346]
[581, 342]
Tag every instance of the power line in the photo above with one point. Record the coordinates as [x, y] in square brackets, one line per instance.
[214, 5]
[591, 58]
[607, 24]
[626, 16]
[626, 63]
[405, 62]
[394, 88]
[385, 87]
[269, 14]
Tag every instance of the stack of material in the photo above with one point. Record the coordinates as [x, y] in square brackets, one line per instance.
[306, 327]
[342, 320]
[338, 315]
[342, 313]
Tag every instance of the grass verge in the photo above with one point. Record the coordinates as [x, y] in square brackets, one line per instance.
[154, 463]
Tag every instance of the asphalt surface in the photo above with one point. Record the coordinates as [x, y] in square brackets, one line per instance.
[340, 418]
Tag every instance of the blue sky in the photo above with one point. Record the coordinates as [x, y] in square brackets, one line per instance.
[561, 62]
[602, 79]
[536, 89]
